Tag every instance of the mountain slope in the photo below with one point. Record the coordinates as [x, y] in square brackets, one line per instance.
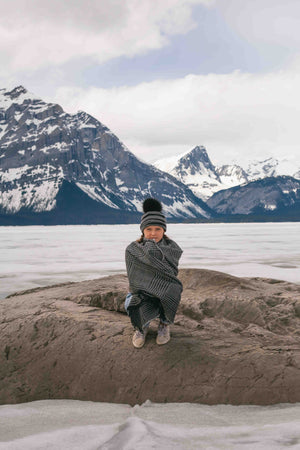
[269, 196]
[42, 148]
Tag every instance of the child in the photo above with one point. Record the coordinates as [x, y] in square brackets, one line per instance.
[152, 267]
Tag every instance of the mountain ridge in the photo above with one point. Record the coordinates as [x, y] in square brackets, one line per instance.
[270, 196]
[211, 178]
[41, 146]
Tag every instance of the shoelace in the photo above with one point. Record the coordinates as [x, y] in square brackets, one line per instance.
[139, 334]
[162, 330]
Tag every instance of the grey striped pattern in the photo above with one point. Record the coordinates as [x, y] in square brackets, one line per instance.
[153, 218]
[152, 270]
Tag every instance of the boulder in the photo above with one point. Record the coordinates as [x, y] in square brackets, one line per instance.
[234, 340]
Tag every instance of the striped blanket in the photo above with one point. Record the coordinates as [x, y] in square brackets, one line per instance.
[152, 270]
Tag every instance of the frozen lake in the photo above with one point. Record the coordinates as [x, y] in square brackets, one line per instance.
[40, 256]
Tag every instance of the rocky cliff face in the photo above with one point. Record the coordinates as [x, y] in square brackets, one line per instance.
[45, 152]
[269, 196]
[235, 340]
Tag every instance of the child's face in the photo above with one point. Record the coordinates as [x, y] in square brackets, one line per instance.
[154, 232]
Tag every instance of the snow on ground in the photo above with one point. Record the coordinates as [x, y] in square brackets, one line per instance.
[71, 424]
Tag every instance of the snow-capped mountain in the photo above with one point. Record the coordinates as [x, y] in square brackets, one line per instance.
[261, 169]
[231, 175]
[272, 167]
[196, 170]
[268, 196]
[50, 159]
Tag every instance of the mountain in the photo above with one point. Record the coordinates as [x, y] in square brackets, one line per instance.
[196, 170]
[272, 196]
[70, 168]
[272, 167]
[261, 169]
[231, 175]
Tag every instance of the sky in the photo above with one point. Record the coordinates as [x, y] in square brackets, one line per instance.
[165, 75]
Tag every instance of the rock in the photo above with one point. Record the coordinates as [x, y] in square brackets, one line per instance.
[235, 340]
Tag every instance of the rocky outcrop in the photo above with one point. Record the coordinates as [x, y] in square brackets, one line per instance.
[235, 340]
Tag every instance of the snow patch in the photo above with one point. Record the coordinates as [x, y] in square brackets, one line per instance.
[270, 207]
[38, 198]
[95, 193]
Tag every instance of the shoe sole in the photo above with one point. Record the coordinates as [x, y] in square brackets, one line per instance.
[162, 343]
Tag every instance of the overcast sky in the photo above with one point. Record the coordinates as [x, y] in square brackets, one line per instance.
[165, 75]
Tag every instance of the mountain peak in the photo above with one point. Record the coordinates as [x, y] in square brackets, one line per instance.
[198, 152]
[16, 92]
[196, 160]
[199, 149]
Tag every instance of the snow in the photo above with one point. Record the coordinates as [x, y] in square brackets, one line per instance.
[33, 121]
[77, 425]
[50, 129]
[3, 130]
[184, 207]
[169, 163]
[96, 194]
[6, 101]
[86, 125]
[38, 197]
[36, 189]
[270, 207]
[13, 173]
[204, 182]
[272, 167]
[136, 202]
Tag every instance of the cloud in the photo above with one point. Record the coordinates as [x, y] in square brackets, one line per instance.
[236, 115]
[264, 21]
[41, 33]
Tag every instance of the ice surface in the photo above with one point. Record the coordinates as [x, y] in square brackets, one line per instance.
[39, 256]
[70, 424]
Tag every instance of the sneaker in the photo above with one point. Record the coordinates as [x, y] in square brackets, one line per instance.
[139, 338]
[163, 334]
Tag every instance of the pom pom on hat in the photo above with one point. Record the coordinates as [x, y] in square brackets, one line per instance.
[152, 214]
[151, 204]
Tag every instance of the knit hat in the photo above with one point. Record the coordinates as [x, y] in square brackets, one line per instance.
[152, 214]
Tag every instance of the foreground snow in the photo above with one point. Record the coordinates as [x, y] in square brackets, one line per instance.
[70, 424]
